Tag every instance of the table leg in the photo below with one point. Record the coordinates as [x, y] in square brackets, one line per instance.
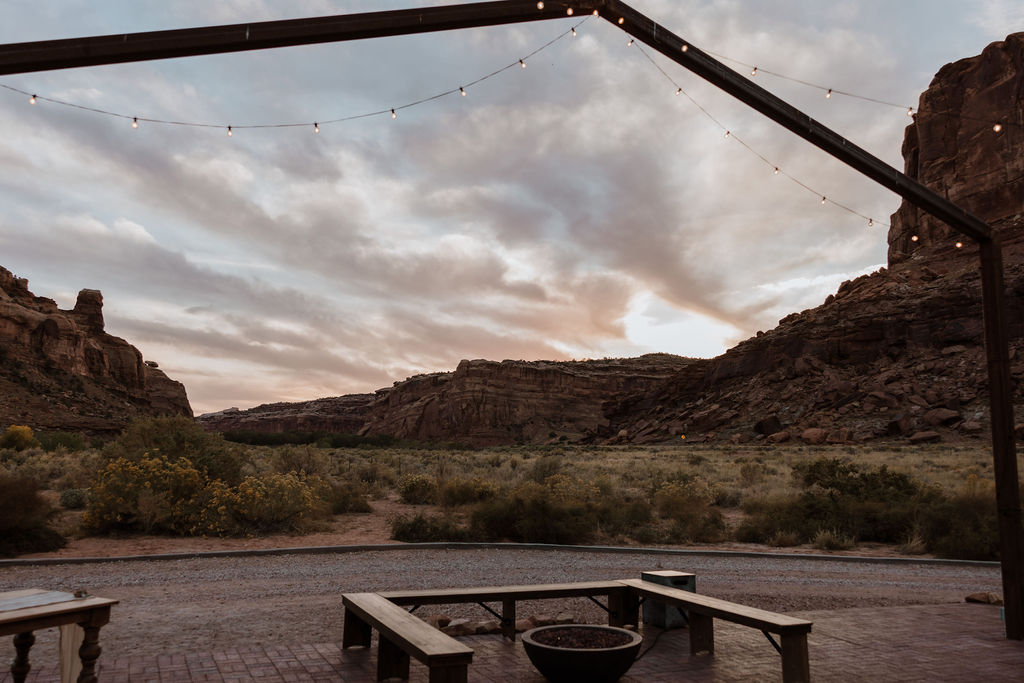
[20, 667]
[89, 653]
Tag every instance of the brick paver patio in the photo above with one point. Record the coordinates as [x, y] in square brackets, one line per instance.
[956, 642]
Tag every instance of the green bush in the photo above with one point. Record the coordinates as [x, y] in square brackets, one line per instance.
[178, 437]
[830, 539]
[466, 490]
[964, 526]
[299, 459]
[417, 489]
[420, 528]
[347, 496]
[533, 514]
[24, 518]
[69, 441]
[74, 499]
[18, 438]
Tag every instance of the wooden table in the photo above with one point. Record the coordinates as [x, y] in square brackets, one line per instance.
[25, 611]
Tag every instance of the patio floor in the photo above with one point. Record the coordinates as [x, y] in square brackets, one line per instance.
[954, 642]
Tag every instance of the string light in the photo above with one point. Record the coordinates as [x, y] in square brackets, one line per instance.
[462, 91]
[776, 171]
[828, 95]
[910, 111]
[522, 63]
[394, 114]
[998, 127]
[630, 43]
[316, 127]
[135, 122]
[685, 47]
[679, 91]
[569, 11]
[727, 134]
[32, 100]
[230, 133]
[871, 222]
[959, 245]
[622, 20]
[540, 5]
[823, 199]
[913, 238]
[573, 29]
[753, 72]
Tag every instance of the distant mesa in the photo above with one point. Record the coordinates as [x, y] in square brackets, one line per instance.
[59, 370]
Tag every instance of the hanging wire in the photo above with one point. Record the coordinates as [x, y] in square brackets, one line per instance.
[304, 124]
[729, 134]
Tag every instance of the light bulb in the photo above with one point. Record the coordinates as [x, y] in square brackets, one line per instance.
[685, 47]
[828, 95]
[959, 244]
[573, 29]
[32, 100]
[135, 122]
[679, 91]
[910, 111]
[913, 238]
[522, 63]
[595, 13]
[727, 134]
[998, 127]
[316, 127]
[753, 72]
[569, 11]
[393, 114]
[462, 91]
[230, 133]
[540, 5]
[823, 199]
[622, 20]
[871, 222]
[630, 43]
[776, 171]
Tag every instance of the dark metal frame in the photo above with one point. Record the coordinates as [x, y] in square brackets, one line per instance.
[131, 47]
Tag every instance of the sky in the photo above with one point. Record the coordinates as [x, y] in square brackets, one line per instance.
[576, 208]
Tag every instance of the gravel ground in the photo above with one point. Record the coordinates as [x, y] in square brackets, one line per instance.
[209, 604]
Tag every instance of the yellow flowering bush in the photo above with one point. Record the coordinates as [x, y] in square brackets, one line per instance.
[273, 502]
[18, 438]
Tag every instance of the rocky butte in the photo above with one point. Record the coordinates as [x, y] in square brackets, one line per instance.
[895, 354]
[59, 370]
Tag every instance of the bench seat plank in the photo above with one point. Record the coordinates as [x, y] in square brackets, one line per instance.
[407, 632]
[444, 596]
[721, 609]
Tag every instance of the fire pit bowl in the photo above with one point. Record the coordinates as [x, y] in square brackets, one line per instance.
[578, 652]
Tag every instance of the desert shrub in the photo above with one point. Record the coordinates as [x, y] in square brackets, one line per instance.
[616, 515]
[677, 498]
[376, 474]
[273, 502]
[18, 438]
[24, 518]
[752, 473]
[466, 490]
[417, 489]
[420, 528]
[784, 539]
[153, 495]
[299, 459]
[74, 499]
[178, 437]
[545, 467]
[533, 514]
[830, 539]
[347, 496]
[69, 441]
[863, 504]
[963, 526]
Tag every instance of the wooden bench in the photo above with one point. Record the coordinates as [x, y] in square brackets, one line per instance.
[622, 610]
[703, 610]
[402, 635]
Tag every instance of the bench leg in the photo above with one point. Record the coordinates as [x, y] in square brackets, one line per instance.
[508, 619]
[623, 608]
[702, 634]
[392, 661]
[449, 674]
[796, 667]
[355, 632]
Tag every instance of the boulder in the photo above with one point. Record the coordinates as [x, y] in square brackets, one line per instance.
[814, 435]
[940, 416]
[779, 437]
[925, 437]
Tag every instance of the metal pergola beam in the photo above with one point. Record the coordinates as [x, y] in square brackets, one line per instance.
[132, 47]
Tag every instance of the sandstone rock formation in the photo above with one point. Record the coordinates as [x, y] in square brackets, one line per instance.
[339, 414]
[59, 370]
